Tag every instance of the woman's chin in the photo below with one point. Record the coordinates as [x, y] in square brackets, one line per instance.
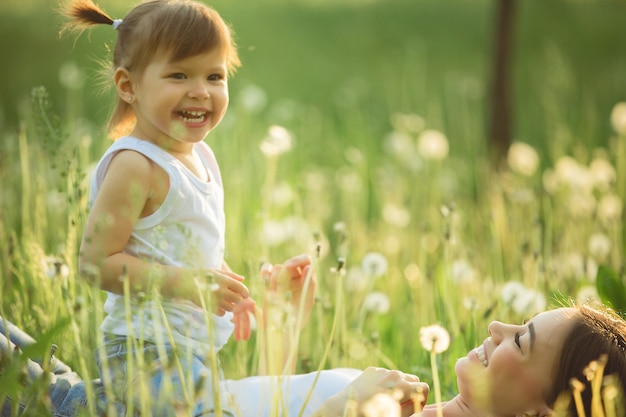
[473, 383]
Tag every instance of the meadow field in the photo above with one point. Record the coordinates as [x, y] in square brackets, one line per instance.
[356, 133]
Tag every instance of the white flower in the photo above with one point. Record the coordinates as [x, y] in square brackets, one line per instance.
[381, 405]
[253, 98]
[463, 272]
[55, 267]
[374, 264]
[71, 76]
[618, 118]
[529, 302]
[587, 294]
[277, 141]
[376, 302]
[574, 175]
[399, 144]
[511, 291]
[609, 208]
[434, 338]
[603, 173]
[599, 246]
[433, 145]
[550, 181]
[282, 194]
[523, 159]
[356, 280]
[582, 204]
[396, 215]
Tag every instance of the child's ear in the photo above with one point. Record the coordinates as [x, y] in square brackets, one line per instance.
[123, 84]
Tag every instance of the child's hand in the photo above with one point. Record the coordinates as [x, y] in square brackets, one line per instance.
[288, 280]
[242, 318]
[227, 290]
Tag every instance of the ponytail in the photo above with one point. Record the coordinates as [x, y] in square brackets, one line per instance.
[83, 14]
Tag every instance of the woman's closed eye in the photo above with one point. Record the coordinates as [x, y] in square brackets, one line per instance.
[517, 342]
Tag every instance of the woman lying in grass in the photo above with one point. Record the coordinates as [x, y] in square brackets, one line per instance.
[554, 362]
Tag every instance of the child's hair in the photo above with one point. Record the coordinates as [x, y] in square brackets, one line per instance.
[178, 28]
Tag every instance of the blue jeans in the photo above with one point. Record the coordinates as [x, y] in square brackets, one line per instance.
[156, 381]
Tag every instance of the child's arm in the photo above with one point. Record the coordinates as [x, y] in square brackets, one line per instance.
[127, 193]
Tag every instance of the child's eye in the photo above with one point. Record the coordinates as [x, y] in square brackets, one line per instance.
[178, 76]
[215, 77]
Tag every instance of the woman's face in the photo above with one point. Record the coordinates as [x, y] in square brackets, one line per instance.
[512, 371]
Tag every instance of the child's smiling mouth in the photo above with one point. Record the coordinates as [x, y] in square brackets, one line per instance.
[192, 116]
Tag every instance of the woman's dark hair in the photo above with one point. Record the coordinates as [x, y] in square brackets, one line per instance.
[598, 334]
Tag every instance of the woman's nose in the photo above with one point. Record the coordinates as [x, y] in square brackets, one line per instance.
[497, 331]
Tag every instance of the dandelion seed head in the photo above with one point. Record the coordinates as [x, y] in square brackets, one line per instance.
[582, 205]
[511, 291]
[587, 295]
[550, 181]
[609, 209]
[277, 141]
[618, 118]
[603, 173]
[71, 76]
[599, 246]
[253, 98]
[399, 144]
[381, 405]
[282, 194]
[433, 145]
[523, 159]
[528, 302]
[413, 274]
[357, 350]
[374, 264]
[376, 302]
[570, 173]
[356, 280]
[463, 272]
[435, 338]
[396, 215]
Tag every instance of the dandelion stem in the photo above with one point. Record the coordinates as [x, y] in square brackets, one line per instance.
[436, 384]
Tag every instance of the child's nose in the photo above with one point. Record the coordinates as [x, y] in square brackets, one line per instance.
[199, 91]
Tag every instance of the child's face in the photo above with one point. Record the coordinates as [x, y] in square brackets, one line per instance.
[177, 103]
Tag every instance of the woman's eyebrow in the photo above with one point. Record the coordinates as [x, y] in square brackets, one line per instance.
[531, 330]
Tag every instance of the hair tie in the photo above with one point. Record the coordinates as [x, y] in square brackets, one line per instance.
[116, 23]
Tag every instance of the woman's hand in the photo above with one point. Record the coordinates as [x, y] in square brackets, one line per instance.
[406, 389]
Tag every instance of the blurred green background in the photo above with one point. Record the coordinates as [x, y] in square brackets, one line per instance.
[430, 57]
[334, 73]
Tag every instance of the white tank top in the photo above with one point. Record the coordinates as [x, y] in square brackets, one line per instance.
[188, 231]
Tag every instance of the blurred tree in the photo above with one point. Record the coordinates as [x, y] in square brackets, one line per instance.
[499, 129]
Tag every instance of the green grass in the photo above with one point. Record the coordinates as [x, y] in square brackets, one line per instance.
[334, 74]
